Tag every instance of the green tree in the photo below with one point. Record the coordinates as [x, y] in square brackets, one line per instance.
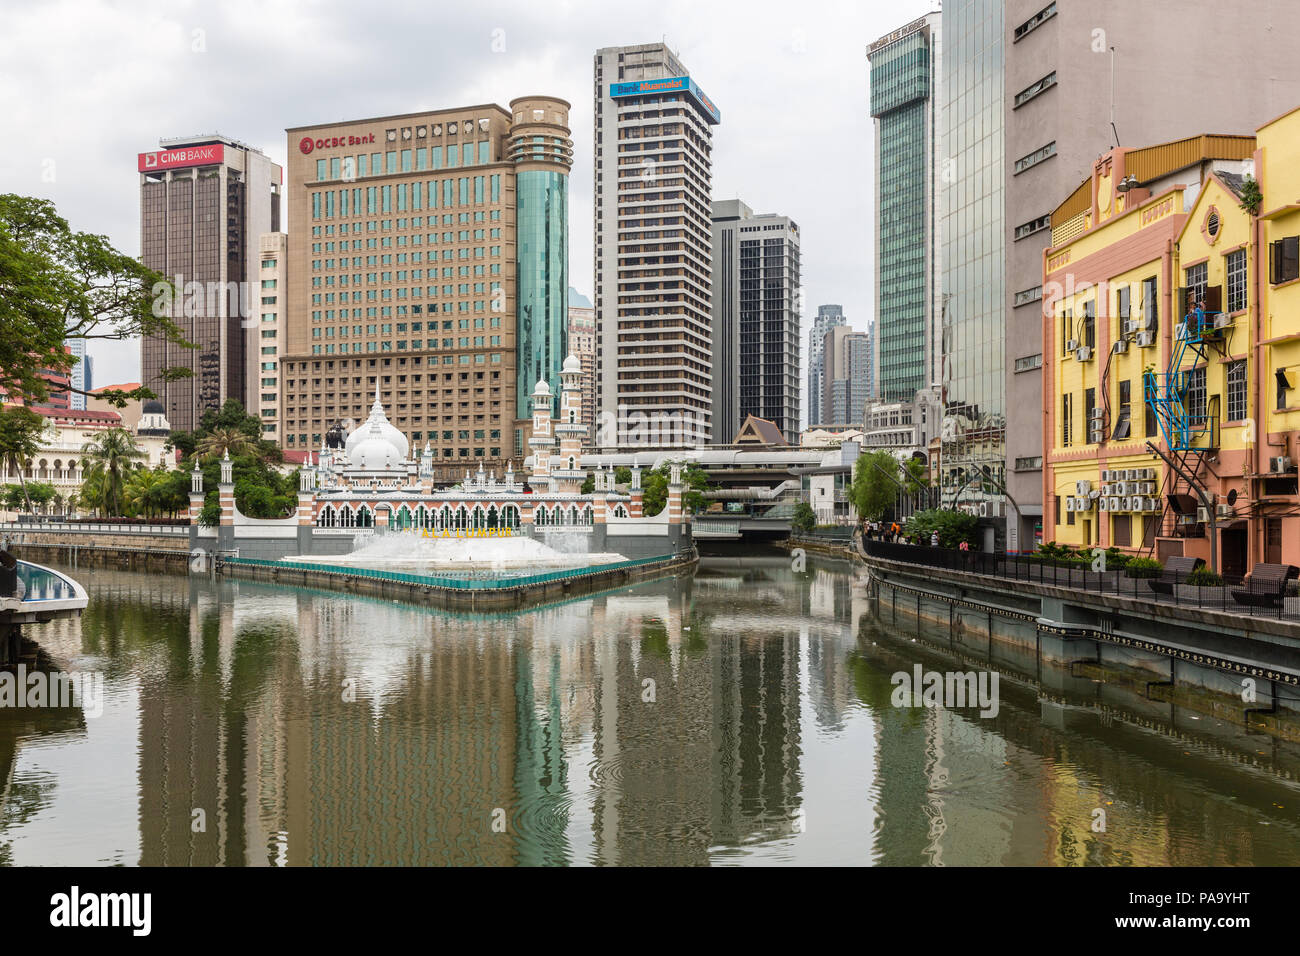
[145, 492]
[113, 455]
[20, 438]
[223, 441]
[40, 493]
[654, 488]
[875, 484]
[58, 285]
[954, 527]
[804, 517]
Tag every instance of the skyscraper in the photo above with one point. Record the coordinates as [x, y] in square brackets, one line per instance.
[755, 320]
[204, 201]
[82, 377]
[653, 165]
[827, 316]
[428, 258]
[846, 357]
[905, 85]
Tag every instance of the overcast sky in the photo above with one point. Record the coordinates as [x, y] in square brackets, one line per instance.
[87, 84]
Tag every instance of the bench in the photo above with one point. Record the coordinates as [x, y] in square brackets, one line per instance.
[1265, 586]
[1175, 572]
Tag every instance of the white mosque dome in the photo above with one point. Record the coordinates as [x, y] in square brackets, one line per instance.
[542, 388]
[573, 364]
[376, 427]
[375, 451]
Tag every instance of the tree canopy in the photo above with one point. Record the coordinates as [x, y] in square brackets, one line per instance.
[57, 284]
[875, 485]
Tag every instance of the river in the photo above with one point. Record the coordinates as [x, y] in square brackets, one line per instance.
[741, 715]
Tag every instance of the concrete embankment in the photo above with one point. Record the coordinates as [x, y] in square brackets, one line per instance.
[121, 549]
[541, 589]
[1240, 668]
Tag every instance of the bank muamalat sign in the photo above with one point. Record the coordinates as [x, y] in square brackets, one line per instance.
[210, 155]
[307, 144]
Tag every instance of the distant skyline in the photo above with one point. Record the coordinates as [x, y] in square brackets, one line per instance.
[791, 84]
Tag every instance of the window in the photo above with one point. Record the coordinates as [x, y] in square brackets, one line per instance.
[1123, 307]
[1042, 154]
[1065, 420]
[1285, 378]
[1092, 422]
[1088, 333]
[1033, 226]
[1067, 330]
[1027, 363]
[1033, 89]
[1284, 260]
[1197, 280]
[1194, 397]
[1034, 22]
[1237, 386]
[1235, 268]
[1150, 305]
[1123, 419]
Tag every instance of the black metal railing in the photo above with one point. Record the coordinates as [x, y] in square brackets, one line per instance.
[1247, 600]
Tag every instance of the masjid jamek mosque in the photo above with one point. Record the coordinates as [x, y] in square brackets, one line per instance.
[372, 481]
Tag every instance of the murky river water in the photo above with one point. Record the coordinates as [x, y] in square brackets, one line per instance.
[742, 715]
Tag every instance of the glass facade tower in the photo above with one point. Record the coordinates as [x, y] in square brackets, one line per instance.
[542, 235]
[902, 98]
[542, 153]
[974, 310]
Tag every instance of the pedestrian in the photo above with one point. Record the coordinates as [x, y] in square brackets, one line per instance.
[964, 546]
[934, 539]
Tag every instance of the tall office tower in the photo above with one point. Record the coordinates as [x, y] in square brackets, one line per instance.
[653, 156]
[81, 377]
[827, 317]
[204, 200]
[846, 357]
[1034, 92]
[428, 259]
[755, 320]
[274, 264]
[905, 85]
[582, 343]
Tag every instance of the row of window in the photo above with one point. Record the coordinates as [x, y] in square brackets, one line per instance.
[401, 197]
[349, 168]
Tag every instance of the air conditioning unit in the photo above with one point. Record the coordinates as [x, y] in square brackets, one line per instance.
[1103, 504]
[1105, 475]
[1083, 354]
[1279, 464]
[1126, 504]
[1222, 321]
[1147, 474]
[1155, 505]
[1083, 504]
[984, 509]
[1121, 346]
[1072, 345]
[1114, 504]
[1082, 487]
[1202, 515]
[1096, 414]
[1071, 504]
[1224, 511]
[1146, 339]
[1094, 436]
[1129, 326]
[1148, 487]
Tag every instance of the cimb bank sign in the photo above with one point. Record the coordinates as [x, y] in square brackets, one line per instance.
[211, 155]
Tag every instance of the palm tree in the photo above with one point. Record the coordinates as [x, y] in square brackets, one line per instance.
[223, 441]
[113, 455]
[144, 491]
